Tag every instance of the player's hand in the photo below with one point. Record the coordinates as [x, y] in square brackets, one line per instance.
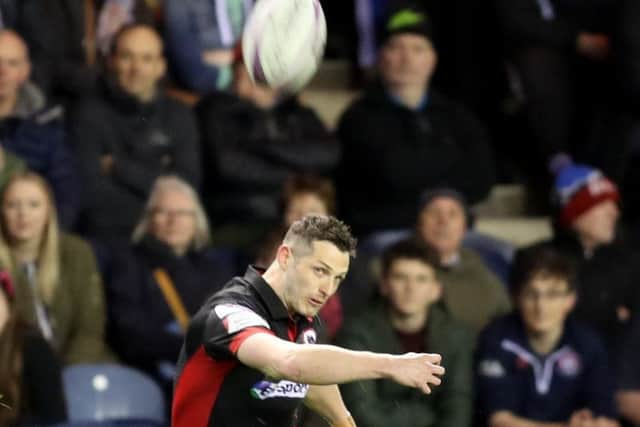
[419, 370]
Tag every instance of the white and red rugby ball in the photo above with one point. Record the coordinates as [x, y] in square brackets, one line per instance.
[283, 42]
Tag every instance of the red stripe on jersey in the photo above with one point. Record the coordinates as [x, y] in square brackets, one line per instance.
[198, 388]
[244, 334]
[292, 330]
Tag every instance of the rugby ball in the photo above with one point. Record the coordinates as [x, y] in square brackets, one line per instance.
[283, 42]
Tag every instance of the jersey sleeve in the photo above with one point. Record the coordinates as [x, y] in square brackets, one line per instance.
[228, 325]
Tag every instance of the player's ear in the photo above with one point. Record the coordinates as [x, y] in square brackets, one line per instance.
[284, 256]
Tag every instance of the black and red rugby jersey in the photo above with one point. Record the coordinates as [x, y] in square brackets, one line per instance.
[213, 388]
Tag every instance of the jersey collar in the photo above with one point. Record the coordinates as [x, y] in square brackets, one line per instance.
[276, 307]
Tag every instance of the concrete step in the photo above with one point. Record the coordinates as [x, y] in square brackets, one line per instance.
[332, 74]
[505, 200]
[519, 231]
[328, 103]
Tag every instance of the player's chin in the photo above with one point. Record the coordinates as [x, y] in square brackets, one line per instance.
[311, 308]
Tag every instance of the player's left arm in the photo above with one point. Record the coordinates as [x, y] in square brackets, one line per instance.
[326, 401]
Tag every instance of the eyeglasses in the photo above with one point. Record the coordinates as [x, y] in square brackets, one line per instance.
[172, 212]
[532, 295]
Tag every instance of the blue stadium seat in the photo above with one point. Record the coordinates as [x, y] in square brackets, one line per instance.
[112, 393]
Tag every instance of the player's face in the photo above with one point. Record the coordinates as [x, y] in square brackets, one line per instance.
[407, 60]
[598, 224]
[545, 303]
[138, 63]
[410, 286]
[313, 276]
[442, 224]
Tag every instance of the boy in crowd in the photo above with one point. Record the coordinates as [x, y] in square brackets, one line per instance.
[407, 319]
[537, 367]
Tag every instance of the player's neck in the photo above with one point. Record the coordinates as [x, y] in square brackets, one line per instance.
[274, 276]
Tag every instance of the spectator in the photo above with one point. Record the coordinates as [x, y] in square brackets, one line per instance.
[58, 287]
[68, 39]
[201, 35]
[559, 50]
[472, 293]
[304, 195]
[585, 228]
[407, 319]
[253, 140]
[538, 367]
[170, 245]
[411, 136]
[628, 395]
[131, 134]
[34, 131]
[30, 380]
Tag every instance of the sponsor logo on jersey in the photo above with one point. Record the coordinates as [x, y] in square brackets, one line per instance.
[237, 317]
[309, 336]
[288, 389]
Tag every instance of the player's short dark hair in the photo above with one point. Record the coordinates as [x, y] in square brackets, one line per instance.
[314, 228]
[540, 260]
[411, 249]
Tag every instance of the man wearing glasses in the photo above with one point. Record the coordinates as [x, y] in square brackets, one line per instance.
[536, 366]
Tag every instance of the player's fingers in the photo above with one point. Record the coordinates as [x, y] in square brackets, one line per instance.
[425, 388]
[434, 380]
[436, 369]
[433, 358]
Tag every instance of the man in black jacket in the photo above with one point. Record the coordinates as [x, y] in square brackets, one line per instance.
[253, 140]
[129, 135]
[402, 137]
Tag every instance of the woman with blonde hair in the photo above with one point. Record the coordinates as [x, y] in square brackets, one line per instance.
[162, 279]
[58, 287]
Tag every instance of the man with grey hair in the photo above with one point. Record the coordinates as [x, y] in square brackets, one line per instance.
[250, 357]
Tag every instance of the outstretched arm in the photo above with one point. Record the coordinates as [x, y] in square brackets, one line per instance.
[327, 365]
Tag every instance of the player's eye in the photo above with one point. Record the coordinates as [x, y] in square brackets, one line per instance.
[320, 271]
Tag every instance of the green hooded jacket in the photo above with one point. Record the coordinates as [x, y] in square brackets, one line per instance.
[384, 403]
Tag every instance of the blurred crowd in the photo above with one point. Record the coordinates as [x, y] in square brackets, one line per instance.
[141, 168]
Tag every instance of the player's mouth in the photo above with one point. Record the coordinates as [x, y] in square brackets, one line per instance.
[316, 302]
